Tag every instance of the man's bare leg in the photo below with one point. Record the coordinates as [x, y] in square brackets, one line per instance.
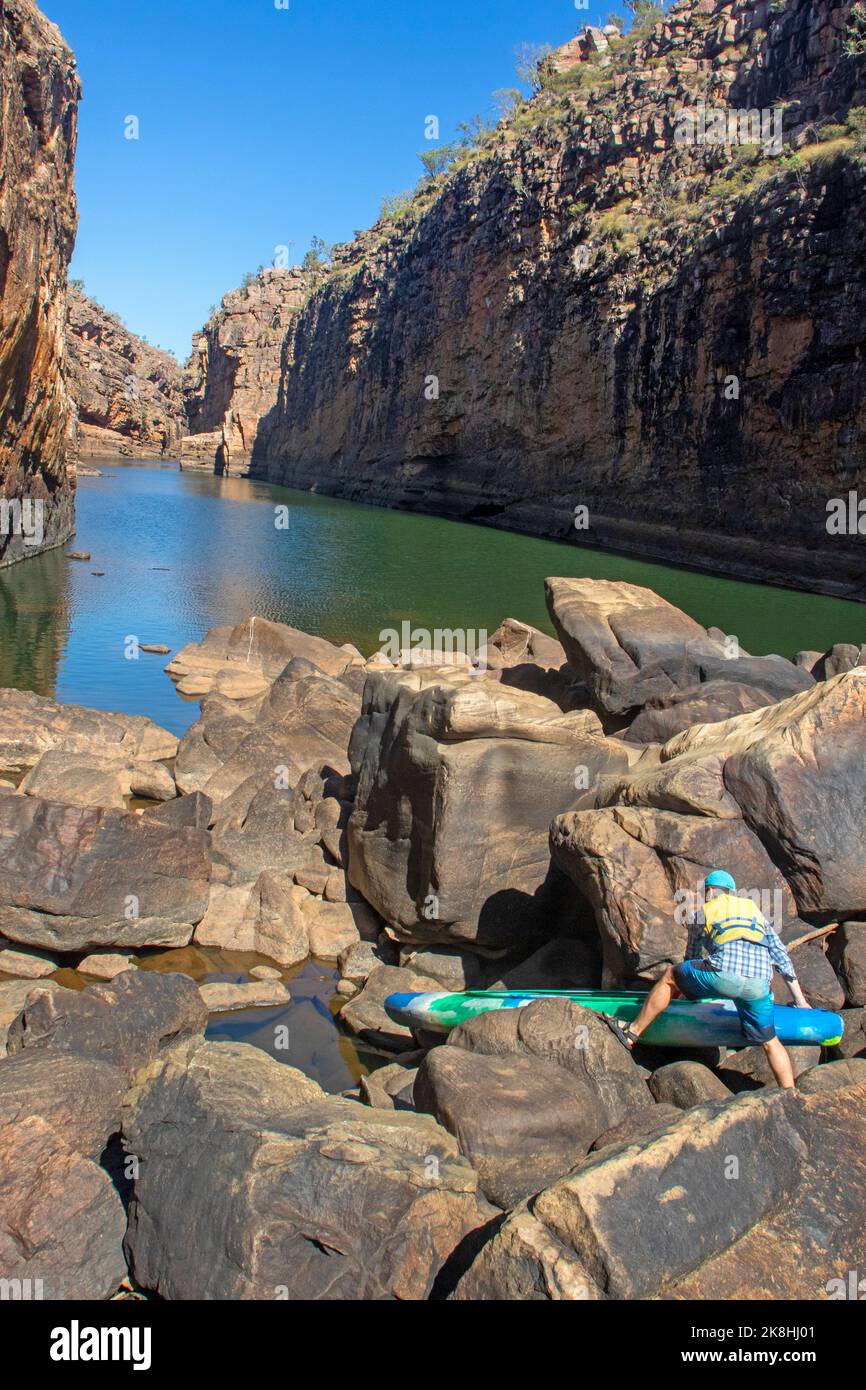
[780, 1063]
[661, 994]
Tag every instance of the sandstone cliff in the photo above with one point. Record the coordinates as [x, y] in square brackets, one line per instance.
[129, 394]
[590, 309]
[232, 377]
[39, 89]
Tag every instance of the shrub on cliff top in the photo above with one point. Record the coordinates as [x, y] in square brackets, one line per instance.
[854, 43]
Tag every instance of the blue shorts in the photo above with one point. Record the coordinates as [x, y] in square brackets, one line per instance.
[754, 1001]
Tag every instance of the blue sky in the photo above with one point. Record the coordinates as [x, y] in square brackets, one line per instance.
[262, 126]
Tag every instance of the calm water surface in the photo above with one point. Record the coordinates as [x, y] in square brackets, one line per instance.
[182, 552]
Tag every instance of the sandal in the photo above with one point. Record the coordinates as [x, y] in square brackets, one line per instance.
[621, 1031]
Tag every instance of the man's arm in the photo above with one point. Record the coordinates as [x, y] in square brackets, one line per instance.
[782, 961]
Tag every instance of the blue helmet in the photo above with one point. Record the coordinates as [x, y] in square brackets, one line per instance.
[720, 878]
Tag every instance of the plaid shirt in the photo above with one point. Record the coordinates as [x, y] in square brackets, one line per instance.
[740, 957]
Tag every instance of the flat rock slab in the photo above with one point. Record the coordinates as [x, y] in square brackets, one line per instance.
[105, 965]
[88, 779]
[76, 878]
[26, 965]
[219, 997]
[31, 725]
[243, 661]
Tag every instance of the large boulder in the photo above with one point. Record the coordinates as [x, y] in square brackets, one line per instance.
[73, 878]
[776, 796]
[641, 869]
[32, 725]
[307, 1197]
[61, 1220]
[527, 1091]
[458, 777]
[631, 647]
[743, 1197]
[241, 662]
[125, 1022]
[521, 1122]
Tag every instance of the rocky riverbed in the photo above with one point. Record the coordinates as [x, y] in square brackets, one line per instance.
[534, 817]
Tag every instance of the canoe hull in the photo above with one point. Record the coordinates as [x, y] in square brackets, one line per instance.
[711, 1023]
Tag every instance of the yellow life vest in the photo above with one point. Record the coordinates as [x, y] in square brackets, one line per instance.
[731, 918]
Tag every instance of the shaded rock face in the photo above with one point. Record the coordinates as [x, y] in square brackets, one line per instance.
[784, 1230]
[307, 1197]
[232, 378]
[128, 393]
[585, 295]
[37, 232]
[72, 1058]
[458, 777]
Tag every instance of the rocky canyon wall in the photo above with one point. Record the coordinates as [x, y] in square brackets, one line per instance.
[129, 394]
[39, 93]
[595, 309]
[232, 378]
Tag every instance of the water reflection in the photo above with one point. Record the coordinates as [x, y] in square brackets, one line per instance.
[34, 622]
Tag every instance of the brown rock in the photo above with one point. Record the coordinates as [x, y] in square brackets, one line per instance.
[310, 1197]
[76, 878]
[636, 1125]
[685, 1084]
[128, 393]
[126, 1023]
[32, 726]
[438, 845]
[37, 233]
[365, 1016]
[61, 1220]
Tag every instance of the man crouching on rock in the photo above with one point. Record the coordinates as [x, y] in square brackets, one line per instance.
[742, 949]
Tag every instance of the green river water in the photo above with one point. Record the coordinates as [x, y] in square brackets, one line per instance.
[182, 552]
